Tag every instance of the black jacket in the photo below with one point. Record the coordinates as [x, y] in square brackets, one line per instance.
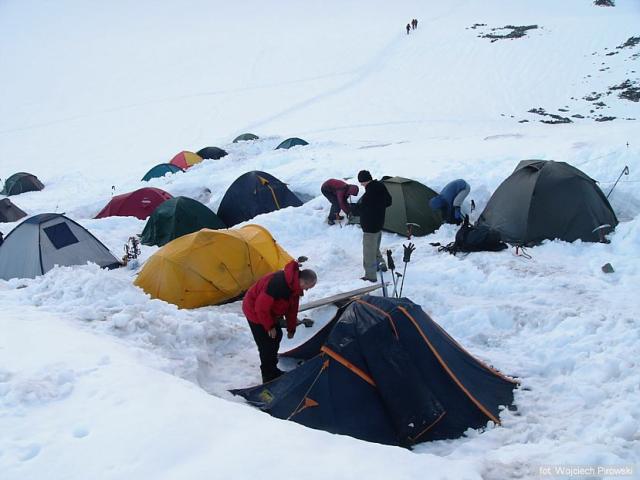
[372, 206]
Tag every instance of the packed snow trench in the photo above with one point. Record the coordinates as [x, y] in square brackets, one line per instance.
[97, 380]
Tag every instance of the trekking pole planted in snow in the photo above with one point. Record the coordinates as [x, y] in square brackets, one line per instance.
[383, 268]
[625, 171]
[408, 250]
[392, 267]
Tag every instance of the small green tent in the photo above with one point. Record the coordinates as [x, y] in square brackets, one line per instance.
[292, 142]
[410, 211]
[176, 217]
[161, 170]
[21, 182]
[245, 137]
[410, 205]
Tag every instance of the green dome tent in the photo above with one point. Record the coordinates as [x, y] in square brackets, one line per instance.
[161, 170]
[410, 206]
[292, 142]
[177, 217]
[545, 200]
[20, 183]
[410, 211]
[245, 137]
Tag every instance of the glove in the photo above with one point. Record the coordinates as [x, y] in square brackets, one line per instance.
[290, 333]
[390, 264]
[408, 250]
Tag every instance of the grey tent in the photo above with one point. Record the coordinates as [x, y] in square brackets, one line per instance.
[43, 241]
[543, 199]
[9, 212]
[245, 137]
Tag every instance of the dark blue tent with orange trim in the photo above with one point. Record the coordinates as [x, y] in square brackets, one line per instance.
[387, 373]
[252, 194]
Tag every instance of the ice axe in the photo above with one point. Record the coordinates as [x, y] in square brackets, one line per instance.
[410, 227]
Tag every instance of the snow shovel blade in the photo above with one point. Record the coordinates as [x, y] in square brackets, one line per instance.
[307, 322]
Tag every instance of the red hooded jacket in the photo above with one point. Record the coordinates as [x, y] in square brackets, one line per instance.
[342, 191]
[274, 295]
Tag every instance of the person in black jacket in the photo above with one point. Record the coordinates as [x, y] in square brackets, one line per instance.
[371, 210]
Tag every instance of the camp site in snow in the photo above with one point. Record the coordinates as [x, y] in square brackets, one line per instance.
[319, 240]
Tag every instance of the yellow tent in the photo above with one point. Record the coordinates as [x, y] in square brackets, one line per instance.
[211, 266]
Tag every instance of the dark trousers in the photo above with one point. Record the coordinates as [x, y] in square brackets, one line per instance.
[268, 350]
[335, 205]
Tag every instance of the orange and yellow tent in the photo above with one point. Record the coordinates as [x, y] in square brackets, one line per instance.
[209, 267]
[185, 159]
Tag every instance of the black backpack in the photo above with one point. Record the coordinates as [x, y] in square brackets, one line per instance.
[474, 238]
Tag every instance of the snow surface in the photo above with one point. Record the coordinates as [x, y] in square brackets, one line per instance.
[99, 381]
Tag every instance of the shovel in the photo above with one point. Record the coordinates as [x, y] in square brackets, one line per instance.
[307, 322]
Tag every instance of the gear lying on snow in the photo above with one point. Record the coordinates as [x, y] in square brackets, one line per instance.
[473, 238]
[384, 372]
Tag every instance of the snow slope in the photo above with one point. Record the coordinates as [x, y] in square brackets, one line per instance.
[99, 381]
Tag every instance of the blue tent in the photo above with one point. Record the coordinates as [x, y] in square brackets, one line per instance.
[211, 153]
[387, 373]
[292, 142]
[252, 194]
[161, 170]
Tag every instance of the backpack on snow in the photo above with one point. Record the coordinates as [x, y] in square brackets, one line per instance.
[478, 238]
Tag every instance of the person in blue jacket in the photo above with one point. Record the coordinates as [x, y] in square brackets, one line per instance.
[450, 200]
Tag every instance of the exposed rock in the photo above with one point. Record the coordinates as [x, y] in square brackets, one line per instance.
[516, 32]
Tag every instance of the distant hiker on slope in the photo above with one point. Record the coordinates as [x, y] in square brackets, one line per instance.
[408, 28]
[371, 209]
[338, 193]
[273, 296]
[414, 23]
[450, 200]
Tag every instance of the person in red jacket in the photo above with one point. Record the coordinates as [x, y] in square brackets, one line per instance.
[273, 296]
[338, 193]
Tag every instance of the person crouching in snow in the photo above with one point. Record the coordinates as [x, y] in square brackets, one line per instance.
[275, 295]
[338, 193]
[450, 200]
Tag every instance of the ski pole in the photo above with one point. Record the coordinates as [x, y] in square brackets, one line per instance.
[408, 250]
[382, 267]
[625, 171]
[392, 267]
